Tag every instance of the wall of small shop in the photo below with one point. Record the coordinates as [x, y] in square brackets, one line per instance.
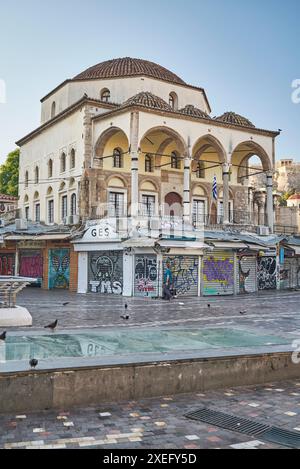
[60, 266]
[218, 273]
[290, 273]
[266, 273]
[145, 275]
[247, 274]
[185, 273]
[8, 259]
[105, 272]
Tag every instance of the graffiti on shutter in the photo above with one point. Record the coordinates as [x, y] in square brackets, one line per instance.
[59, 268]
[145, 275]
[31, 264]
[106, 272]
[7, 264]
[247, 274]
[266, 273]
[290, 273]
[218, 274]
[185, 274]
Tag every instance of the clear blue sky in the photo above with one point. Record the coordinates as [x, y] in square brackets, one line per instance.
[245, 54]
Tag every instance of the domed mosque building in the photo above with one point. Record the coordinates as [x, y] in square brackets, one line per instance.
[129, 157]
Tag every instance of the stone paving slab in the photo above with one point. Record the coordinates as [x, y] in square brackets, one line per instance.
[156, 423]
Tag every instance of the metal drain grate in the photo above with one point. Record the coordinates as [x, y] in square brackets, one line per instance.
[229, 422]
[247, 427]
[282, 437]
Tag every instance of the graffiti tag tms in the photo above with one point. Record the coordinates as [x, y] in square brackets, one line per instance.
[296, 354]
[185, 273]
[146, 275]
[266, 273]
[107, 272]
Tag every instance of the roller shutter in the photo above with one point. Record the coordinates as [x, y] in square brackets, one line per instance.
[105, 272]
[31, 264]
[145, 275]
[290, 274]
[247, 274]
[185, 273]
[7, 264]
[266, 273]
[218, 273]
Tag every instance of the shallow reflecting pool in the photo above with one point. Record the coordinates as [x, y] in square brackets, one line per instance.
[130, 341]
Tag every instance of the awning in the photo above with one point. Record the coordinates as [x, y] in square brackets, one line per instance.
[169, 243]
[257, 247]
[229, 245]
[295, 248]
[47, 237]
[139, 243]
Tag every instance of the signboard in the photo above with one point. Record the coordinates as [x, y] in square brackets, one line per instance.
[105, 231]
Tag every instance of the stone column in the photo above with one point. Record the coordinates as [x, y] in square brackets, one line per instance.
[226, 193]
[270, 208]
[187, 191]
[261, 203]
[251, 206]
[134, 141]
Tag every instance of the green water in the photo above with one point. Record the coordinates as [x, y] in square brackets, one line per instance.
[126, 342]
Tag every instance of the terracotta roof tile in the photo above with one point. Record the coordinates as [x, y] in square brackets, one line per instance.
[233, 118]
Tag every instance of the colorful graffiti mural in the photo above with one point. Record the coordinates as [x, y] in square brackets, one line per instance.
[59, 268]
[218, 275]
[31, 264]
[145, 276]
[185, 272]
[106, 272]
[7, 264]
[266, 273]
[247, 274]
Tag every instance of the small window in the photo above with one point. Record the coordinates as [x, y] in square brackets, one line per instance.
[175, 161]
[73, 204]
[51, 211]
[200, 173]
[148, 164]
[173, 101]
[26, 179]
[63, 163]
[72, 159]
[53, 109]
[50, 168]
[64, 207]
[105, 95]
[118, 158]
[37, 210]
[36, 175]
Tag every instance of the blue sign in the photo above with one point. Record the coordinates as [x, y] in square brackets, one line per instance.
[281, 256]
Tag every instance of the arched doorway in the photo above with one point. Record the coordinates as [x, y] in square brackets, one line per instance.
[173, 205]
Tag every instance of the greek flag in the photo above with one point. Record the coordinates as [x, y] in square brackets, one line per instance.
[215, 188]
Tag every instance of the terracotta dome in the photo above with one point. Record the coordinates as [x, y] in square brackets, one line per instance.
[294, 197]
[147, 99]
[193, 111]
[128, 67]
[233, 118]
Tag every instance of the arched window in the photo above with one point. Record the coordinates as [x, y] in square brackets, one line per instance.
[148, 164]
[36, 175]
[73, 204]
[63, 163]
[105, 95]
[118, 158]
[175, 161]
[53, 109]
[72, 159]
[50, 168]
[200, 173]
[26, 179]
[173, 101]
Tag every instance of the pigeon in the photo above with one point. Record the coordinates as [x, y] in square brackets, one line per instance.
[65, 304]
[208, 305]
[243, 312]
[125, 317]
[52, 326]
[33, 362]
[3, 336]
[126, 306]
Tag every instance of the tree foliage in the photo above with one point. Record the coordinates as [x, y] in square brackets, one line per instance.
[9, 174]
